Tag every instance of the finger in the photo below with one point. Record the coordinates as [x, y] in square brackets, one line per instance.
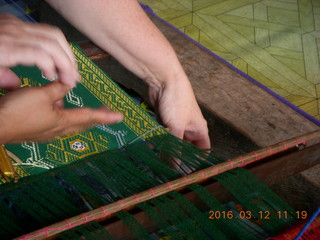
[198, 137]
[53, 41]
[65, 66]
[24, 54]
[8, 79]
[54, 33]
[63, 63]
[203, 142]
[56, 91]
[83, 118]
[177, 131]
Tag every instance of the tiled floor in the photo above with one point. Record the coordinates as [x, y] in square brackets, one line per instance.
[277, 42]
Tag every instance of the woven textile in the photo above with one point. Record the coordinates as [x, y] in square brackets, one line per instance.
[95, 90]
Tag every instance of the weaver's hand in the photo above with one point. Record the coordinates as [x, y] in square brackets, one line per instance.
[124, 30]
[179, 111]
[34, 44]
[31, 114]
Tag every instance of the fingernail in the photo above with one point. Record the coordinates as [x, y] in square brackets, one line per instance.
[54, 77]
[121, 118]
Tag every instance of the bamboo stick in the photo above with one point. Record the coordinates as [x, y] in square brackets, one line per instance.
[6, 168]
[199, 176]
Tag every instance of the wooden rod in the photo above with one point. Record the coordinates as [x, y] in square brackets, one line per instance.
[92, 51]
[199, 176]
[6, 168]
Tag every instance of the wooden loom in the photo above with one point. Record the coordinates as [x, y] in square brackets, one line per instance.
[299, 146]
[296, 145]
[292, 155]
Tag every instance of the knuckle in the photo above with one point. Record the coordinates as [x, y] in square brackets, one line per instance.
[53, 30]
[45, 27]
[58, 33]
[43, 61]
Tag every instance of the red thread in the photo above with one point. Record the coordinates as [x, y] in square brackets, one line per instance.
[270, 150]
[153, 194]
[46, 231]
[242, 161]
[231, 163]
[85, 217]
[170, 185]
[104, 211]
[137, 198]
[121, 204]
[202, 175]
[284, 146]
[217, 169]
[256, 155]
[69, 224]
[304, 142]
[186, 180]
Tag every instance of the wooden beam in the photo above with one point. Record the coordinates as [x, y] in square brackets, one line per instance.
[271, 171]
[251, 110]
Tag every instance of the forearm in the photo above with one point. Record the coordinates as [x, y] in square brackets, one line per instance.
[123, 29]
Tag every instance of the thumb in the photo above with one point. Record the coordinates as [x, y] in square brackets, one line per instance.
[81, 118]
[8, 79]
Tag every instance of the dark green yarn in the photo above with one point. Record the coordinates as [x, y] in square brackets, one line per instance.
[92, 230]
[231, 228]
[136, 228]
[160, 220]
[60, 193]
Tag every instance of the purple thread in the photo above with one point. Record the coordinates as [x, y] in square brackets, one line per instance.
[289, 104]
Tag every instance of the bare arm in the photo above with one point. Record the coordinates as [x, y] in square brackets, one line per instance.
[122, 28]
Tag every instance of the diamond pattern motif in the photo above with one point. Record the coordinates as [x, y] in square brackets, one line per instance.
[275, 42]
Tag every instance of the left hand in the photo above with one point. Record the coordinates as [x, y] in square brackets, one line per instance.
[180, 112]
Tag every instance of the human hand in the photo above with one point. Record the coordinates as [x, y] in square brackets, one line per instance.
[34, 44]
[31, 114]
[180, 112]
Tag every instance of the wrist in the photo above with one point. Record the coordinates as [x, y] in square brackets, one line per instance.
[178, 85]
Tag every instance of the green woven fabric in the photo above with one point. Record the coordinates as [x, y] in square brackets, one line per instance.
[96, 89]
[75, 174]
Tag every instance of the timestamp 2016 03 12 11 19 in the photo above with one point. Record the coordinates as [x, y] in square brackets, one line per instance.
[264, 215]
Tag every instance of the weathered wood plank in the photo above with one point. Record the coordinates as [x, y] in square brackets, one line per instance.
[251, 110]
[224, 92]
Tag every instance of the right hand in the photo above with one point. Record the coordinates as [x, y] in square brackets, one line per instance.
[31, 114]
[34, 44]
